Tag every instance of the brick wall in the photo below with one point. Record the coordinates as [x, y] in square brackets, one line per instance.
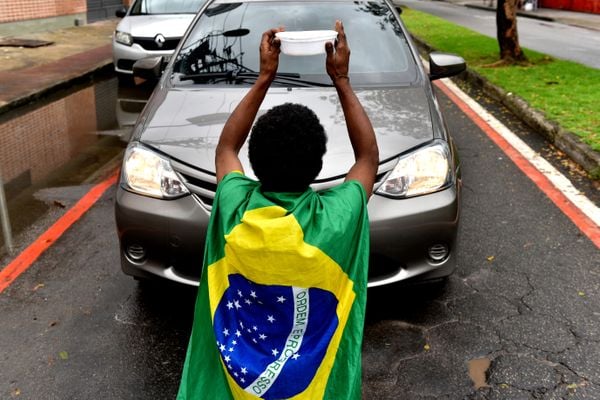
[48, 137]
[19, 10]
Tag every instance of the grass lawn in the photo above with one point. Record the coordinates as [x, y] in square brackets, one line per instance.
[567, 92]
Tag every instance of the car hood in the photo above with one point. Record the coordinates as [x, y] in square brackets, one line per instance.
[148, 26]
[186, 124]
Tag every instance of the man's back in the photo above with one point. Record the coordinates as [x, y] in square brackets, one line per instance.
[286, 292]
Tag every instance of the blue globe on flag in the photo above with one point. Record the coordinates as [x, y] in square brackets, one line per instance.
[273, 338]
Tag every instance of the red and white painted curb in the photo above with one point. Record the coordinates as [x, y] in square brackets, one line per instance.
[573, 203]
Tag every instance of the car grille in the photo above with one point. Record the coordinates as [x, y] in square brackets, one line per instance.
[203, 185]
[150, 44]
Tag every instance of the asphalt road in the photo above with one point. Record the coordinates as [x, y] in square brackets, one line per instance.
[524, 300]
[559, 40]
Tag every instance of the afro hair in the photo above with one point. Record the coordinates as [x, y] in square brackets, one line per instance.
[286, 148]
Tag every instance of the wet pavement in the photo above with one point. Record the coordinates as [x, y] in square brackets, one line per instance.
[518, 320]
[566, 17]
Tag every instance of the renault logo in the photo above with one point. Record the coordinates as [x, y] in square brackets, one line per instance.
[159, 40]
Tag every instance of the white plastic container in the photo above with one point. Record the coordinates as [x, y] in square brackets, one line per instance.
[305, 43]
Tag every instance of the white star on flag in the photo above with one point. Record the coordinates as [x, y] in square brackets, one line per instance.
[281, 299]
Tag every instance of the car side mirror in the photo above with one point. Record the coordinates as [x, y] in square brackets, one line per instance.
[443, 65]
[120, 13]
[148, 69]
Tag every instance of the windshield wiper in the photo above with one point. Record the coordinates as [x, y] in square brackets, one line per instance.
[241, 76]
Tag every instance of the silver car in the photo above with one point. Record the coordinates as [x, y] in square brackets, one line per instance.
[168, 180]
[150, 28]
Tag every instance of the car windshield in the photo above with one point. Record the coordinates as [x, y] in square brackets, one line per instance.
[145, 7]
[222, 47]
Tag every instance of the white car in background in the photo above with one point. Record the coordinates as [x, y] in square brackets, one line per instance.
[150, 28]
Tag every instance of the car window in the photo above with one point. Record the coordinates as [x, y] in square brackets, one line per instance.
[227, 36]
[144, 7]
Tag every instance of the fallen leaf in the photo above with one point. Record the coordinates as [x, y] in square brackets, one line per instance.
[16, 392]
[53, 323]
[572, 386]
[63, 355]
[38, 286]
[427, 347]
[504, 386]
[490, 258]
[582, 294]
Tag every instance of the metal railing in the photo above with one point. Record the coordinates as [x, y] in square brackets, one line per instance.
[4, 219]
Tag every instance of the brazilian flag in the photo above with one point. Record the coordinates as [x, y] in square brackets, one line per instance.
[281, 303]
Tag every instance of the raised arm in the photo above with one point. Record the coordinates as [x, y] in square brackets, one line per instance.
[360, 130]
[239, 123]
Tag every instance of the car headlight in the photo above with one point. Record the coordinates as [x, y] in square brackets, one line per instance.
[124, 38]
[147, 173]
[423, 171]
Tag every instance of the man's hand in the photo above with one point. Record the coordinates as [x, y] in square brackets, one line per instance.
[269, 53]
[338, 56]
[239, 123]
[360, 130]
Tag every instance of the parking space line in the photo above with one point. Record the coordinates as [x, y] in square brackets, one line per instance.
[574, 204]
[28, 256]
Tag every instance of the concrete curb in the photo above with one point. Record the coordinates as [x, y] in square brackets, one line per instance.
[564, 140]
[25, 86]
[57, 86]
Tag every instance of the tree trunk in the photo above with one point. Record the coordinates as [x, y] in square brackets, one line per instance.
[506, 25]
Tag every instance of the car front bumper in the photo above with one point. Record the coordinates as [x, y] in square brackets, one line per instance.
[404, 232]
[125, 56]
[165, 238]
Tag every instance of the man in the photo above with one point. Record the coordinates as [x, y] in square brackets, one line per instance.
[281, 304]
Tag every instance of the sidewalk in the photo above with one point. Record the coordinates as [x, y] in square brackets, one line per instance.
[28, 73]
[573, 18]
